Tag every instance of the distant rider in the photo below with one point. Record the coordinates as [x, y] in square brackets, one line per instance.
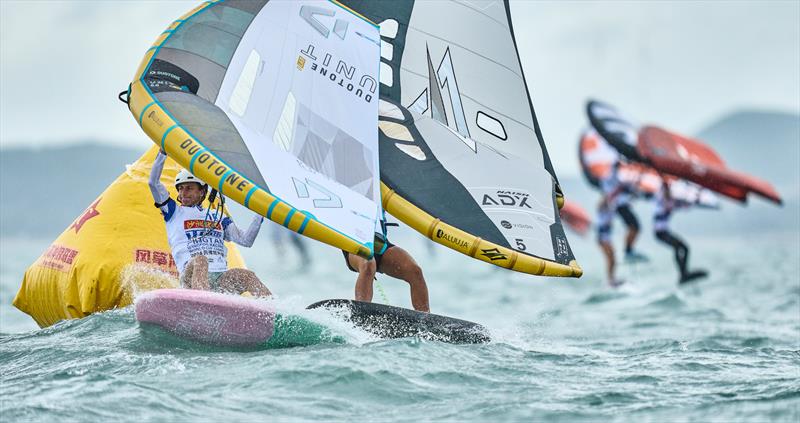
[665, 204]
[605, 217]
[391, 260]
[196, 236]
[279, 234]
[617, 195]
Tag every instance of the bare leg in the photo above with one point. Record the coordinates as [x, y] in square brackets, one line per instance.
[632, 223]
[681, 250]
[630, 238]
[240, 280]
[397, 263]
[186, 276]
[197, 273]
[300, 246]
[608, 251]
[366, 274]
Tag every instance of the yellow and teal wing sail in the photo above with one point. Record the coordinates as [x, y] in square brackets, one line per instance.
[275, 105]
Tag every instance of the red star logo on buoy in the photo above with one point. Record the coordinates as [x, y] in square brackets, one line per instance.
[88, 214]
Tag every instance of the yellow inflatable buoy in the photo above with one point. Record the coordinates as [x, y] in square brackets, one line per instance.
[116, 247]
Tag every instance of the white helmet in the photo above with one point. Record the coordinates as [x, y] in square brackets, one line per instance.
[185, 176]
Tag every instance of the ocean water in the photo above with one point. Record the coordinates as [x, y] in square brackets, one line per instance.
[724, 349]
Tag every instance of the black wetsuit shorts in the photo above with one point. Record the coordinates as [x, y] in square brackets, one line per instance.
[628, 217]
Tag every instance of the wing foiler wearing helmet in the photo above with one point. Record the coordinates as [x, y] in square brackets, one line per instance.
[185, 176]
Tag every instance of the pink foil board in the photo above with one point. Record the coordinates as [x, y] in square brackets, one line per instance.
[207, 317]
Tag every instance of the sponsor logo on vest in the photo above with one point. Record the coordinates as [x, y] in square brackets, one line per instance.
[202, 224]
[447, 237]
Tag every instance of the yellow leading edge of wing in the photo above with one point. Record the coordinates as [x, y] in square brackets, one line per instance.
[235, 186]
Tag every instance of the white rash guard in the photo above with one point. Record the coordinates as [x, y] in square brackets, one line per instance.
[611, 184]
[605, 218]
[188, 230]
[663, 211]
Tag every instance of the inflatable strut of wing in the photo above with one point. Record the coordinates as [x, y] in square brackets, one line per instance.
[462, 157]
[597, 158]
[273, 104]
[674, 154]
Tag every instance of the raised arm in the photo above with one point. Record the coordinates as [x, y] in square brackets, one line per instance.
[159, 191]
[246, 238]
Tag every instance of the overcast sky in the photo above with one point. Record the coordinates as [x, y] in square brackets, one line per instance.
[681, 64]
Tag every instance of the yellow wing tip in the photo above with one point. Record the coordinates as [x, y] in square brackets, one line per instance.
[552, 269]
[577, 271]
[560, 201]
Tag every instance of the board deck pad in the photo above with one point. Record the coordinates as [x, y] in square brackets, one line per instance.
[395, 322]
[207, 317]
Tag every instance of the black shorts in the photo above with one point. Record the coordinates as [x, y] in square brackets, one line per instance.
[628, 217]
[604, 233]
[378, 258]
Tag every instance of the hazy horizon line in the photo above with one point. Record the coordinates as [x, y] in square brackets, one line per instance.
[47, 144]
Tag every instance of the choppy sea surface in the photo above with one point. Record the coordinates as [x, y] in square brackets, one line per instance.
[724, 349]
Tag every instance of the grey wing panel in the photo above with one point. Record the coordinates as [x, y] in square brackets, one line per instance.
[202, 47]
[187, 72]
[209, 125]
